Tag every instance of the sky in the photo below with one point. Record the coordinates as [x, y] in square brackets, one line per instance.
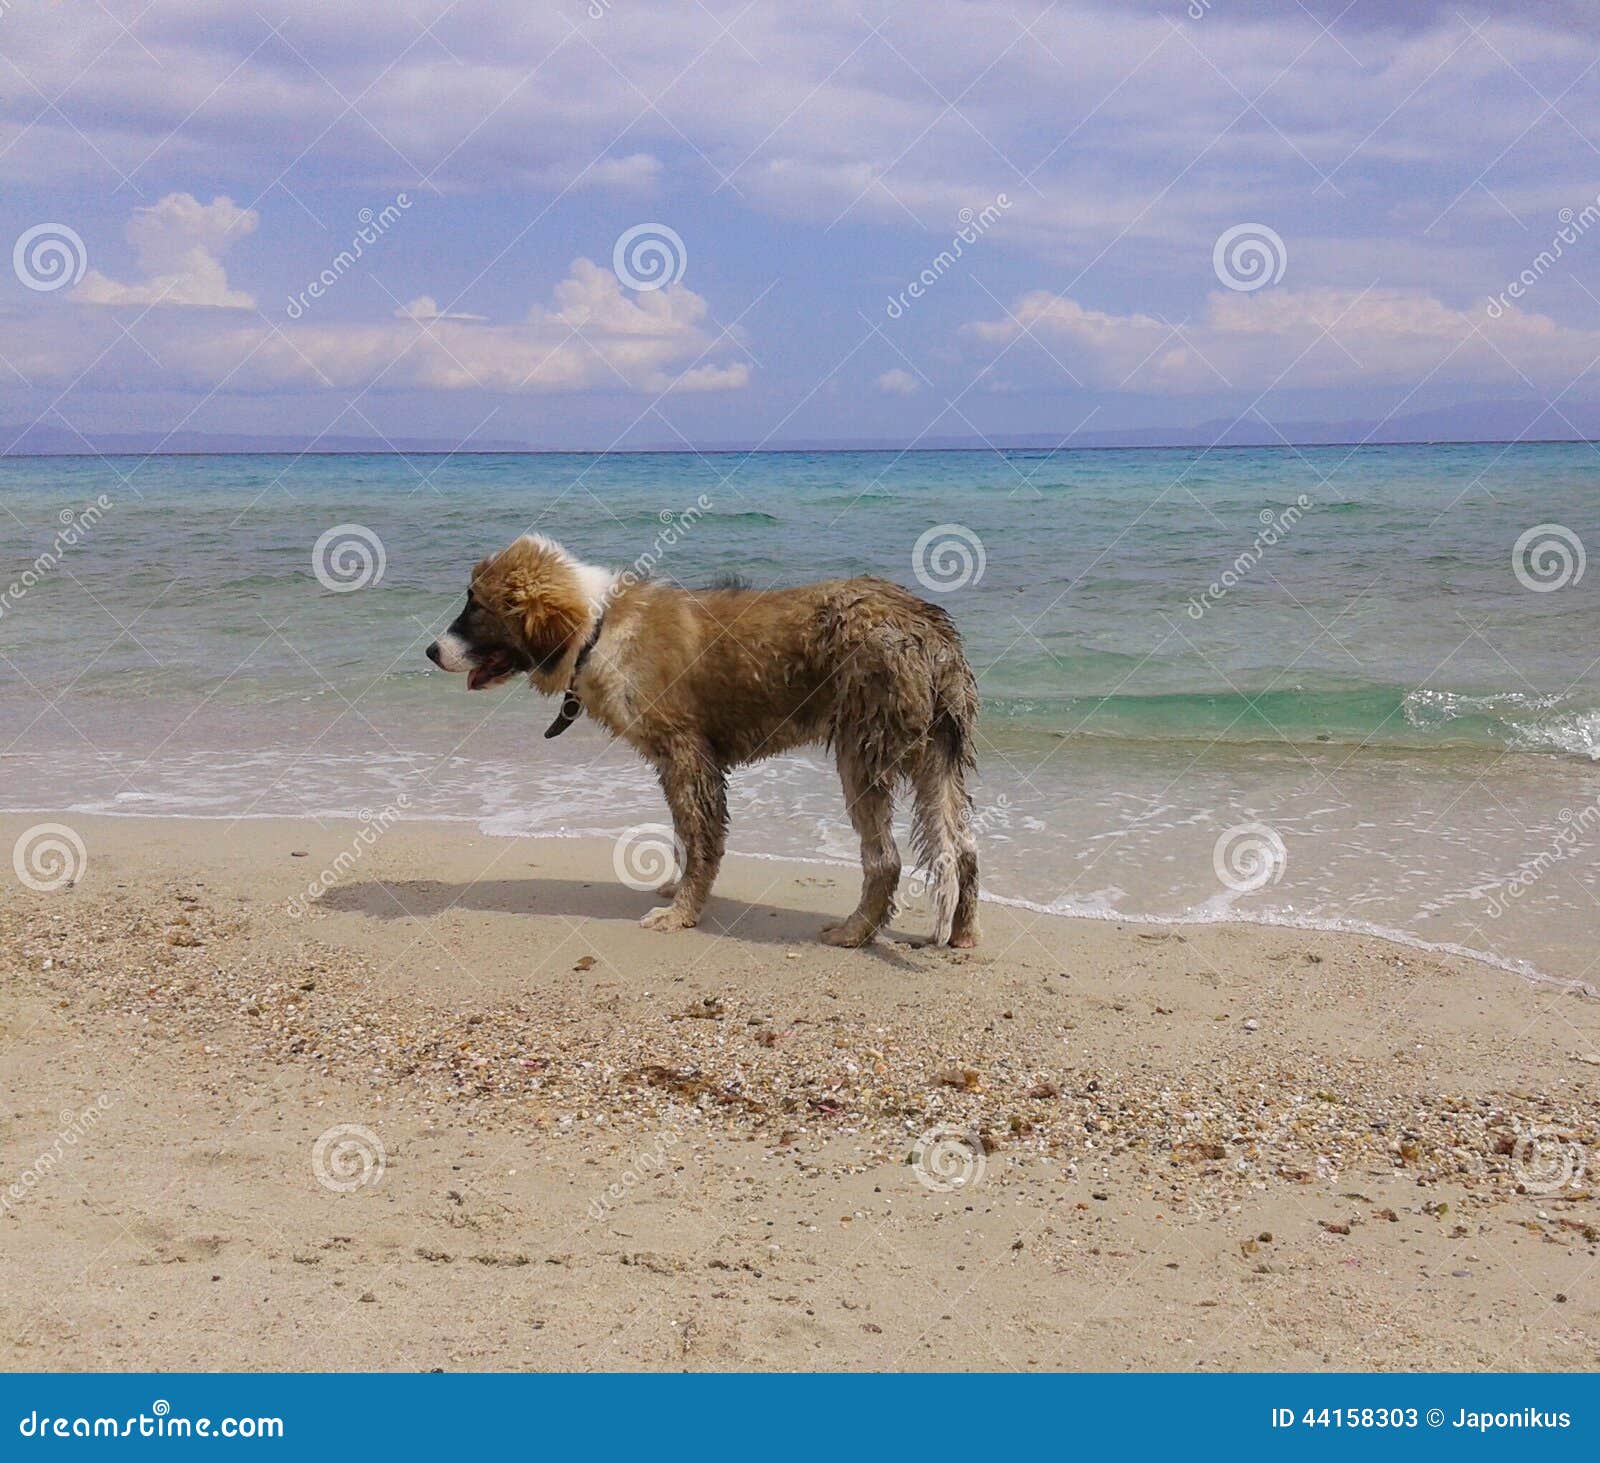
[597, 223]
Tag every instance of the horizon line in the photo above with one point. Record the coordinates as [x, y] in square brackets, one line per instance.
[766, 451]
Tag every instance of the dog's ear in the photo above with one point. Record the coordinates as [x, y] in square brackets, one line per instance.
[551, 619]
[531, 587]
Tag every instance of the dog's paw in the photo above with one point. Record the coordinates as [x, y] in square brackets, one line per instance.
[851, 934]
[667, 917]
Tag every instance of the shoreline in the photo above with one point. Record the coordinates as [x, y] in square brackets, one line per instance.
[1523, 970]
[1079, 1146]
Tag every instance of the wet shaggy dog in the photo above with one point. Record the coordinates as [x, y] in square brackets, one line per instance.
[700, 681]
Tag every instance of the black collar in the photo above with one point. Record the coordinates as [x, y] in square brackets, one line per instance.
[571, 707]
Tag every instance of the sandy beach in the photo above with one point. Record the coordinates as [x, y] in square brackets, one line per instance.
[462, 1113]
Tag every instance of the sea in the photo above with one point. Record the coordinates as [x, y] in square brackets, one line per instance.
[1322, 687]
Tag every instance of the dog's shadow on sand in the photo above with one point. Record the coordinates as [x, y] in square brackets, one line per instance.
[402, 899]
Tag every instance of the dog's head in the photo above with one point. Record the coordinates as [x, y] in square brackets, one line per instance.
[526, 611]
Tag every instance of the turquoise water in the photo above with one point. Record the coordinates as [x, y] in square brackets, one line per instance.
[1388, 612]
[1333, 642]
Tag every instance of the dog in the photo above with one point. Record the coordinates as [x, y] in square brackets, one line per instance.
[700, 681]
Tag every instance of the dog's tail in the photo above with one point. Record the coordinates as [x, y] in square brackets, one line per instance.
[942, 818]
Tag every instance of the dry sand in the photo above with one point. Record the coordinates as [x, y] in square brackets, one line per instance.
[601, 1147]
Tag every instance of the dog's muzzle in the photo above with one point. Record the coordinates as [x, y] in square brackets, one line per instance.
[483, 668]
[451, 653]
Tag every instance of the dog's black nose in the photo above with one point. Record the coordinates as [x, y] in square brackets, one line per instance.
[433, 652]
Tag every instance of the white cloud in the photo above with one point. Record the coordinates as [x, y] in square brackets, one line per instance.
[1293, 339]
[179, 242]
[897, 383]
[593, 335]
[637, 172]
[425, 307]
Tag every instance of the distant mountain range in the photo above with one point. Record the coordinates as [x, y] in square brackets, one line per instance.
[43, 440]
[1494, 421]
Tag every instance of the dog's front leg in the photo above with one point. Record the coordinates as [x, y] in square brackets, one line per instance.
[697, 793]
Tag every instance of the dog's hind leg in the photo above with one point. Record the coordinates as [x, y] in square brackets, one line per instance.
[942, 825]
[869, 799]
[697, 793]
[964, 928]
